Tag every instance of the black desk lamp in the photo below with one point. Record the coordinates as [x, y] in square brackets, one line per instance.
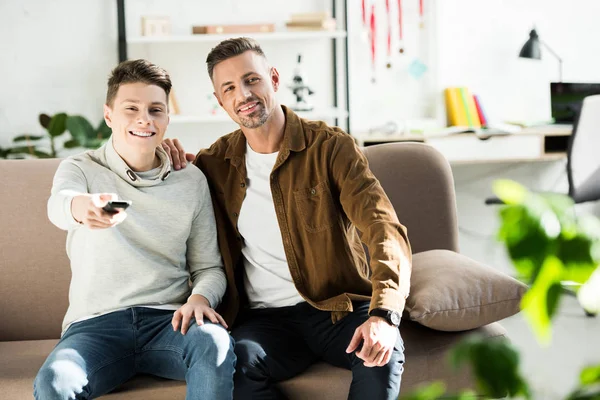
[531, 49]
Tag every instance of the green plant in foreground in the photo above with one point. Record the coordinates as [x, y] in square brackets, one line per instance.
[548, 244]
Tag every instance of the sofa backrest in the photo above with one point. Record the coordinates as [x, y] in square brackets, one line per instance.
[418, 180]
[35, 270]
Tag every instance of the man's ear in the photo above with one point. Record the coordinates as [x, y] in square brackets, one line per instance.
[275, 78]
[108, 115]
[218, 100]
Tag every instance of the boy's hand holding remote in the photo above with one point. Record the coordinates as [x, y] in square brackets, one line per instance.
[87, 209]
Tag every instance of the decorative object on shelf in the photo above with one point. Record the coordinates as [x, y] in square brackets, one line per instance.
[156, 26]
[313, 21]
[300, 89]
[400, 28]
[373, 37]
[532, 49]
[417, 68]
[239, 28]
[389, 34]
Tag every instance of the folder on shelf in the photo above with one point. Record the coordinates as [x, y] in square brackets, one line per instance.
[461, 109]
[245, 28]
[480, 113]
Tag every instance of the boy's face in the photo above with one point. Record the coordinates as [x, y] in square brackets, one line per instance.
[138, 117]
[245, 87]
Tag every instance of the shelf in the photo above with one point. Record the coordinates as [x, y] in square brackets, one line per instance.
[222, 117]
[259, 36]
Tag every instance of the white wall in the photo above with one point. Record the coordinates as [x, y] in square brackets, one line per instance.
[56, 57]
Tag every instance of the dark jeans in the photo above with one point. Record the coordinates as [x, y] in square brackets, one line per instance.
[276, 344]
[96, 355]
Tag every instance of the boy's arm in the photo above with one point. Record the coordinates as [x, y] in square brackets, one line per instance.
[70, 205]
[69, 181]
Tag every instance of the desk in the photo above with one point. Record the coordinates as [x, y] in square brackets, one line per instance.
[540, 143]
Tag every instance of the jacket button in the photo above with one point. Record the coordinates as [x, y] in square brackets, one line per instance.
[313, 191]
[235, 214]
[243, 184]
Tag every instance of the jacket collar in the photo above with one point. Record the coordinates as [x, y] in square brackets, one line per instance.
[293, 138]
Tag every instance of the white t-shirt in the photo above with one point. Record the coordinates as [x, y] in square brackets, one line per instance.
[267, 277]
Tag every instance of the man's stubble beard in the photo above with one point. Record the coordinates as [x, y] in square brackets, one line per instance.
[253, 122]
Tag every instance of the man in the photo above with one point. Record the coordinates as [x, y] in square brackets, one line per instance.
[131, 308]
[290, 196]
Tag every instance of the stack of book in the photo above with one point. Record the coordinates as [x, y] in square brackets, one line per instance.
[463, 108]
[312, 21]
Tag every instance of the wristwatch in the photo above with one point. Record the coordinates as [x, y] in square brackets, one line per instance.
[392, 317]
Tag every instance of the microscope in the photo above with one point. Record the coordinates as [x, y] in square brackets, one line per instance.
[300, 90]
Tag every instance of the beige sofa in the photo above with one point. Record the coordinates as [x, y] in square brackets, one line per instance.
[35, 277]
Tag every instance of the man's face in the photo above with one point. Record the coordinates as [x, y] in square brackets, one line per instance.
[138, 117]
[245, 87]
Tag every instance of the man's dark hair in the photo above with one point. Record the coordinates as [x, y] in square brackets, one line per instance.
[231, 48]
[133, 71]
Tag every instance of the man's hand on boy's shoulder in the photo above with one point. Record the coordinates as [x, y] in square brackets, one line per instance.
[196, 307]
[179, 158]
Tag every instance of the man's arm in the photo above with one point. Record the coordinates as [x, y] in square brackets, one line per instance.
[70, 205]
[368, 207]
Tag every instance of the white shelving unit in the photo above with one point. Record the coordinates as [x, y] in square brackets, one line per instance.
[210, 38]
[317, 114]
[335, 111]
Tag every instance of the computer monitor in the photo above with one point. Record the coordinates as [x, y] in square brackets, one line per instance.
[566, 99]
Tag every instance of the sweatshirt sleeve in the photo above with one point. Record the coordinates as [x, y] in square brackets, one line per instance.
[203, 256]
[69, 181]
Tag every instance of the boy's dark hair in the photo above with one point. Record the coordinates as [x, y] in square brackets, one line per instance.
[231, 48]
[133, 71]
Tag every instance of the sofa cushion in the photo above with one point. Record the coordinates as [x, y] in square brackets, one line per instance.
[451, 292]
[426, 352]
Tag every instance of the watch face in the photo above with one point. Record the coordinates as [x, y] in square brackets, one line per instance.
[395, 317]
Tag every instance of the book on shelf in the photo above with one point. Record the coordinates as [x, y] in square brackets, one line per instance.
[326, 25]
[240, 28]
[461, 108]
[311, 21]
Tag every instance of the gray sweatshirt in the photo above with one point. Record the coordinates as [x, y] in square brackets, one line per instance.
[168, 238]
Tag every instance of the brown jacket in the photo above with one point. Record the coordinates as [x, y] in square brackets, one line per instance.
[323, 192]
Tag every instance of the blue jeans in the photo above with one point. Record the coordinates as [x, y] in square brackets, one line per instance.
[97, 355]
[275, 344]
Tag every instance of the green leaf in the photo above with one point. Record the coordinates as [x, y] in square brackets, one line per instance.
[431, 391]
[22, 150]
[71, 144]
[510, 192]
[495, 365]
[540, 301]
[590, 375]
[44, 120]
[80, 129]
[41, 154]
[103, 131]
[24, 138]
[57, 125]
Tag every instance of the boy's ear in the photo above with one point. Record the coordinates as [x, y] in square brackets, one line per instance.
[108, 115]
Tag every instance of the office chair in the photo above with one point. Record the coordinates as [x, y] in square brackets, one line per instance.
[583, 161]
